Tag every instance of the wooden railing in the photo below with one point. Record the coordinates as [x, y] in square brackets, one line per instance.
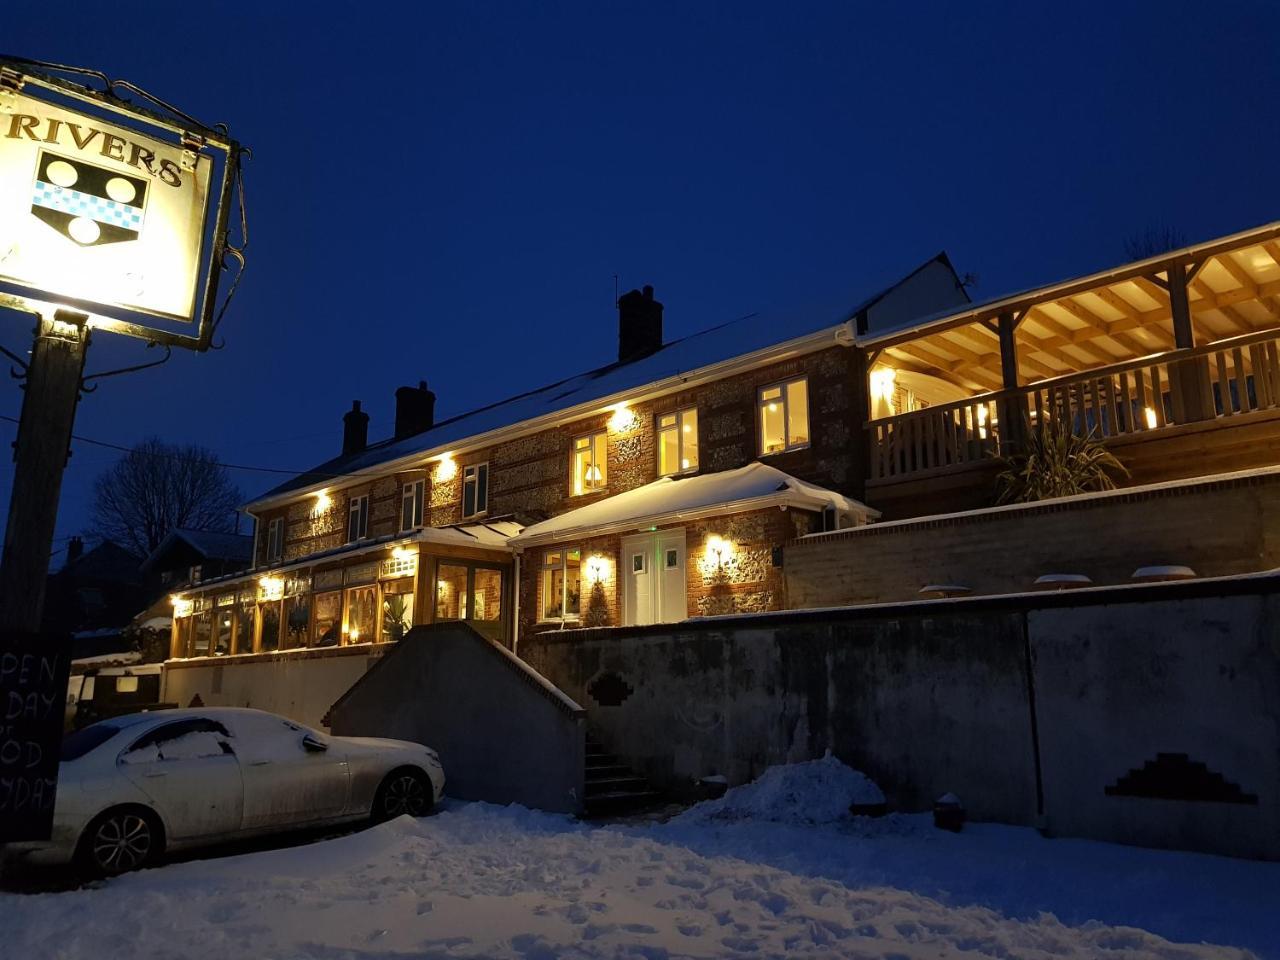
[1222, 379]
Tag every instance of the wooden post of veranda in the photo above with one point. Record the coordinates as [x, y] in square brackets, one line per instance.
[41, 451]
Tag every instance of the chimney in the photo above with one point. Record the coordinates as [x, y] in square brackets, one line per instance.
[355, 429]
[639, 325]
[75, 550]
[415, 410]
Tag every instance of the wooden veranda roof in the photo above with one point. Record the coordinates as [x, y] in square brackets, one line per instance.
[1108, 317]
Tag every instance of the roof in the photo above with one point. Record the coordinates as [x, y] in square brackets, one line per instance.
[671, 499]
[758, 337]
[210, 544]
[1012, 302]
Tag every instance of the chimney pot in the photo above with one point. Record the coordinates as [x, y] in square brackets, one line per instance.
[639, 324]
[355, 429]
[415, 410]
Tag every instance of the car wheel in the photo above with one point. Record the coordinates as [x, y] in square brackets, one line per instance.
[120, 840]
[404, 791]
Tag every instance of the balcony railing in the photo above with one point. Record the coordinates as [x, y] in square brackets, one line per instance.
[1219, 380]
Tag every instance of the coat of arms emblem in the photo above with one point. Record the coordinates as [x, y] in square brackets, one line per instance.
[88, 204]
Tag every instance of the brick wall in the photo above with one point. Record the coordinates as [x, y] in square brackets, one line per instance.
[529, 477]
[1223, 526]
[743, 581]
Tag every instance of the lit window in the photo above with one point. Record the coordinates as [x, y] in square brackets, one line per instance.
[411, 499]
[358, 519]
[475, 489]
[678, 442]
[784, 417]
[275, 540]
[590, 468]
[561, 584]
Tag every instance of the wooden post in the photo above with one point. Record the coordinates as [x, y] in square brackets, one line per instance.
[41, 451]
[1188, 379]
[1012, 413]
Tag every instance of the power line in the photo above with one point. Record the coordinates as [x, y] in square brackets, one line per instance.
[184, 459]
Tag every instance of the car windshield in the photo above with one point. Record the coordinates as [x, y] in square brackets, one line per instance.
[82, 741]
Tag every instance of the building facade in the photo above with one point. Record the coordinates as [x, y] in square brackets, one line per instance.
[659, 487]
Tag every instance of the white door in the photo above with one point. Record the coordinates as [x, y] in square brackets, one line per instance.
[637, 598]
[284, 782]
[672, 601]
[654, 587]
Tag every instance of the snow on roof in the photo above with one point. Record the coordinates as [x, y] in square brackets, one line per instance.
[124, 656]
[779, 330]
[213, 545]
[495, 534]
[746, 488]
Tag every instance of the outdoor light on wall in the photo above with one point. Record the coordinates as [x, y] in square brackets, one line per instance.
[182, 606]
[403, 554]
[271, 588]
[883, 381]
[624, 419]
[719, 549]
[597, 569]
[322, 504]
[446, 469]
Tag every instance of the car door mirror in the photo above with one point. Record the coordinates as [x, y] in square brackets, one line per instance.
[314, 744]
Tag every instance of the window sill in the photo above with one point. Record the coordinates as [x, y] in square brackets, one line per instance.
[792, 449]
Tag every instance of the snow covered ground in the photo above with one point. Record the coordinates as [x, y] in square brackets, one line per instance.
[763, 872]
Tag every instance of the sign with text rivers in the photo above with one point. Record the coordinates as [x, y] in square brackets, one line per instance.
[33, 696]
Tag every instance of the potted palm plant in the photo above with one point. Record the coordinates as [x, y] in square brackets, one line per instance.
[1056, 461]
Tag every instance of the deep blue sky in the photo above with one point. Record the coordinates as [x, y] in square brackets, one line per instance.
[445, 192]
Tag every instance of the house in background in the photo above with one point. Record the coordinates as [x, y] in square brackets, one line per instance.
[95, 596]
[660, 486]
[189, 556]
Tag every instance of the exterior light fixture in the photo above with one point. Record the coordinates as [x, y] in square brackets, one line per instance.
[719, 548]
[597, 569]
[883, 382]
[623, 420]
[322, 504]
[446, 469]
[182, 606]
[271, 588]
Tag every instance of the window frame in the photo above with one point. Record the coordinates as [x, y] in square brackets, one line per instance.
[545, 572]
[678, 427]
[785, 402]
[358, 507]
[602, 466]
[413, 498]
[275, 539]
[471, 475]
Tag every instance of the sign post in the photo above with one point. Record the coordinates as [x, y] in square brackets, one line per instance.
[114, 215]
[44, 440]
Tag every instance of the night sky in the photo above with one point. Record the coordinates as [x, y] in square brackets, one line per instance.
[445, 192]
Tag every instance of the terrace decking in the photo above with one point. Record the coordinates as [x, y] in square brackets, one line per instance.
[1173, 362]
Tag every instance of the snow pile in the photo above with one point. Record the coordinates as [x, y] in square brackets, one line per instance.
[189, 746]
[816, 791]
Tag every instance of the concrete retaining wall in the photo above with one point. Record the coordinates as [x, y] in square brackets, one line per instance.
[300, 684]
[503, 733]
[1060, 710]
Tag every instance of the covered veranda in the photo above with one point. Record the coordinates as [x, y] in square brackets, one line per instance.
[1176, 346]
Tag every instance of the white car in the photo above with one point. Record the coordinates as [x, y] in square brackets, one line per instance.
[132, 787]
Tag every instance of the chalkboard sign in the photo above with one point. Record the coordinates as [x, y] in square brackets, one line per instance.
[33, 696]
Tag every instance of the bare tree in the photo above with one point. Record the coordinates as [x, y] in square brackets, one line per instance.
[157, 487]
[1154, 240]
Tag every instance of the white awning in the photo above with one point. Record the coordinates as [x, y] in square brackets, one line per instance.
[676, 499]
